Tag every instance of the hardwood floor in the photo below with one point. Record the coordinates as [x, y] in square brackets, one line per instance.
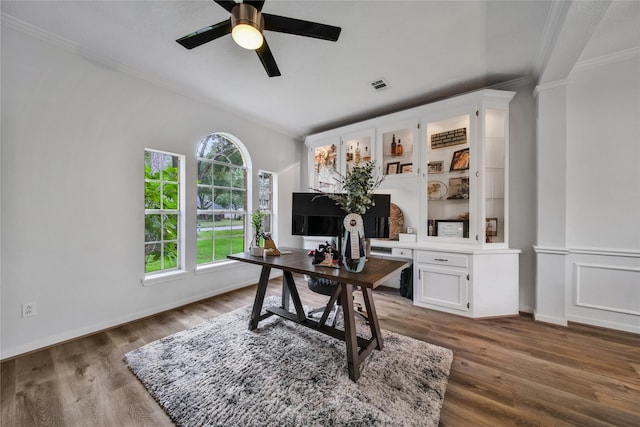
[507, 371]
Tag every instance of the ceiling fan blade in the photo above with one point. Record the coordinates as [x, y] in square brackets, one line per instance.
[299, 27]
[255, 3]
[267, 59]
[227, 4]
[206, 34]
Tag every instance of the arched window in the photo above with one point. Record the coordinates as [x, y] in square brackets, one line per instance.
[222, 164]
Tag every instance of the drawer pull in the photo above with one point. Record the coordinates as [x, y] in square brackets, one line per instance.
[441, 259]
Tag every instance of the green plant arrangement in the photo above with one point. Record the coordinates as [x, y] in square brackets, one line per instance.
[256, 223]
[355, 189]
[355, 196]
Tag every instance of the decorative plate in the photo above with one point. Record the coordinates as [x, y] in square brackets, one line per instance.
[396, 222]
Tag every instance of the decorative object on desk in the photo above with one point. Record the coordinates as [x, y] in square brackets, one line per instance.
[396, 221]
[258, 233]
[270, 247]
[353, 253]
[460, 160]
[220, 373]
[355, 196]
[436, 190]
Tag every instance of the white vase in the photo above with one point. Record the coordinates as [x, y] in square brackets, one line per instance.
[353, 248]
[256, 251]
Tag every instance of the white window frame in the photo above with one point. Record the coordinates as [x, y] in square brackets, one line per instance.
[178, 271]
[218, 264]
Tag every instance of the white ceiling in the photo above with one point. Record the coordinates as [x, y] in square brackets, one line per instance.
[424, 49]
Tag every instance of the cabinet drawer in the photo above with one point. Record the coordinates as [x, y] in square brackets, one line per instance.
[402, 252]
[443, 258]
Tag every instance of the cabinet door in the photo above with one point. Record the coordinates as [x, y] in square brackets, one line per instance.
[357, 148]
[494, 174]
[449, 147]
[324, 164]
[398, 147]
[442, 286]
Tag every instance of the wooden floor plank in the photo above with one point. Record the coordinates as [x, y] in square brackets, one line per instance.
[506, 371]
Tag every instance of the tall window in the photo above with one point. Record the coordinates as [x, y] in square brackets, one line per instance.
[163, 211]
[265, 199]
[221, 199]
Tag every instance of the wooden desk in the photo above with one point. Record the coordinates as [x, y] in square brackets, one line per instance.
[375, 272]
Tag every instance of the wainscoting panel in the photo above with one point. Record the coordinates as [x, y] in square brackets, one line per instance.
[609, 288]
[604, 288]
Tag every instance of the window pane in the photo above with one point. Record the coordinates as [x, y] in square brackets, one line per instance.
[170, 255]
[205, 250]
[238, 199]
[222, 248]
[170, 196]
[151, 167]
[221, 199]
[152, 195]
[205, 173]
[152, 256]
[205, 198]
[238, 178]
[221, 176]
[170, 227]
[152, 227]
[170, 171]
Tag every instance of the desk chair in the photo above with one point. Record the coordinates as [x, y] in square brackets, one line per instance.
[328, 287]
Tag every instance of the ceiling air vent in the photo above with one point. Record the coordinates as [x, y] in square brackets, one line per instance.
[379, 84]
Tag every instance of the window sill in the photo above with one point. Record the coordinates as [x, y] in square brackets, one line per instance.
[155, 279]
[211, 268]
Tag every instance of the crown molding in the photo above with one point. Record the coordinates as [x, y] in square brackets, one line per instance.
[549, 85]
[610, 58]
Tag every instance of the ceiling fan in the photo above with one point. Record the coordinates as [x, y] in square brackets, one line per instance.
[246, 24]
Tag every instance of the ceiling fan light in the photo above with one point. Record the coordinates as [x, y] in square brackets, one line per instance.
[247, 36]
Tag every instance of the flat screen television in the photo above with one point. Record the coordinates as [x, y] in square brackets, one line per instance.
[313, 214]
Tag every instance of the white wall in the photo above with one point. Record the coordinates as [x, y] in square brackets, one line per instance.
[589, 242]
[73, 139]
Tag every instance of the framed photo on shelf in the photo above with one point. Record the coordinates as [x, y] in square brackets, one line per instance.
[491, 229]
[392, 168]
[460, 160]
[406, 168]
[435, 167]
[452, 227]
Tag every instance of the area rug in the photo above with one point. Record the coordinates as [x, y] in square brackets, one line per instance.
[282, 374]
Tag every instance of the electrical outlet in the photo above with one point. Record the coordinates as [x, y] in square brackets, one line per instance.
[29, 309]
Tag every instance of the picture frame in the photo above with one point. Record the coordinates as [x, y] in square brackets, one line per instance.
[392, 168]
[435, 167]
[458, 188]
[458, 228]
[406, 168]
[460, 160]
[491, 228]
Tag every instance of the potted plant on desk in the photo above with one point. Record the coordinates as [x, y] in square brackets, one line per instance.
[258, 233]
[355, 196]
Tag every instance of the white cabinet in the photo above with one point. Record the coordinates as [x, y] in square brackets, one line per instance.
[450, 179]
[473, 284]
[398, 145]
[335, 153]
[465, 148]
